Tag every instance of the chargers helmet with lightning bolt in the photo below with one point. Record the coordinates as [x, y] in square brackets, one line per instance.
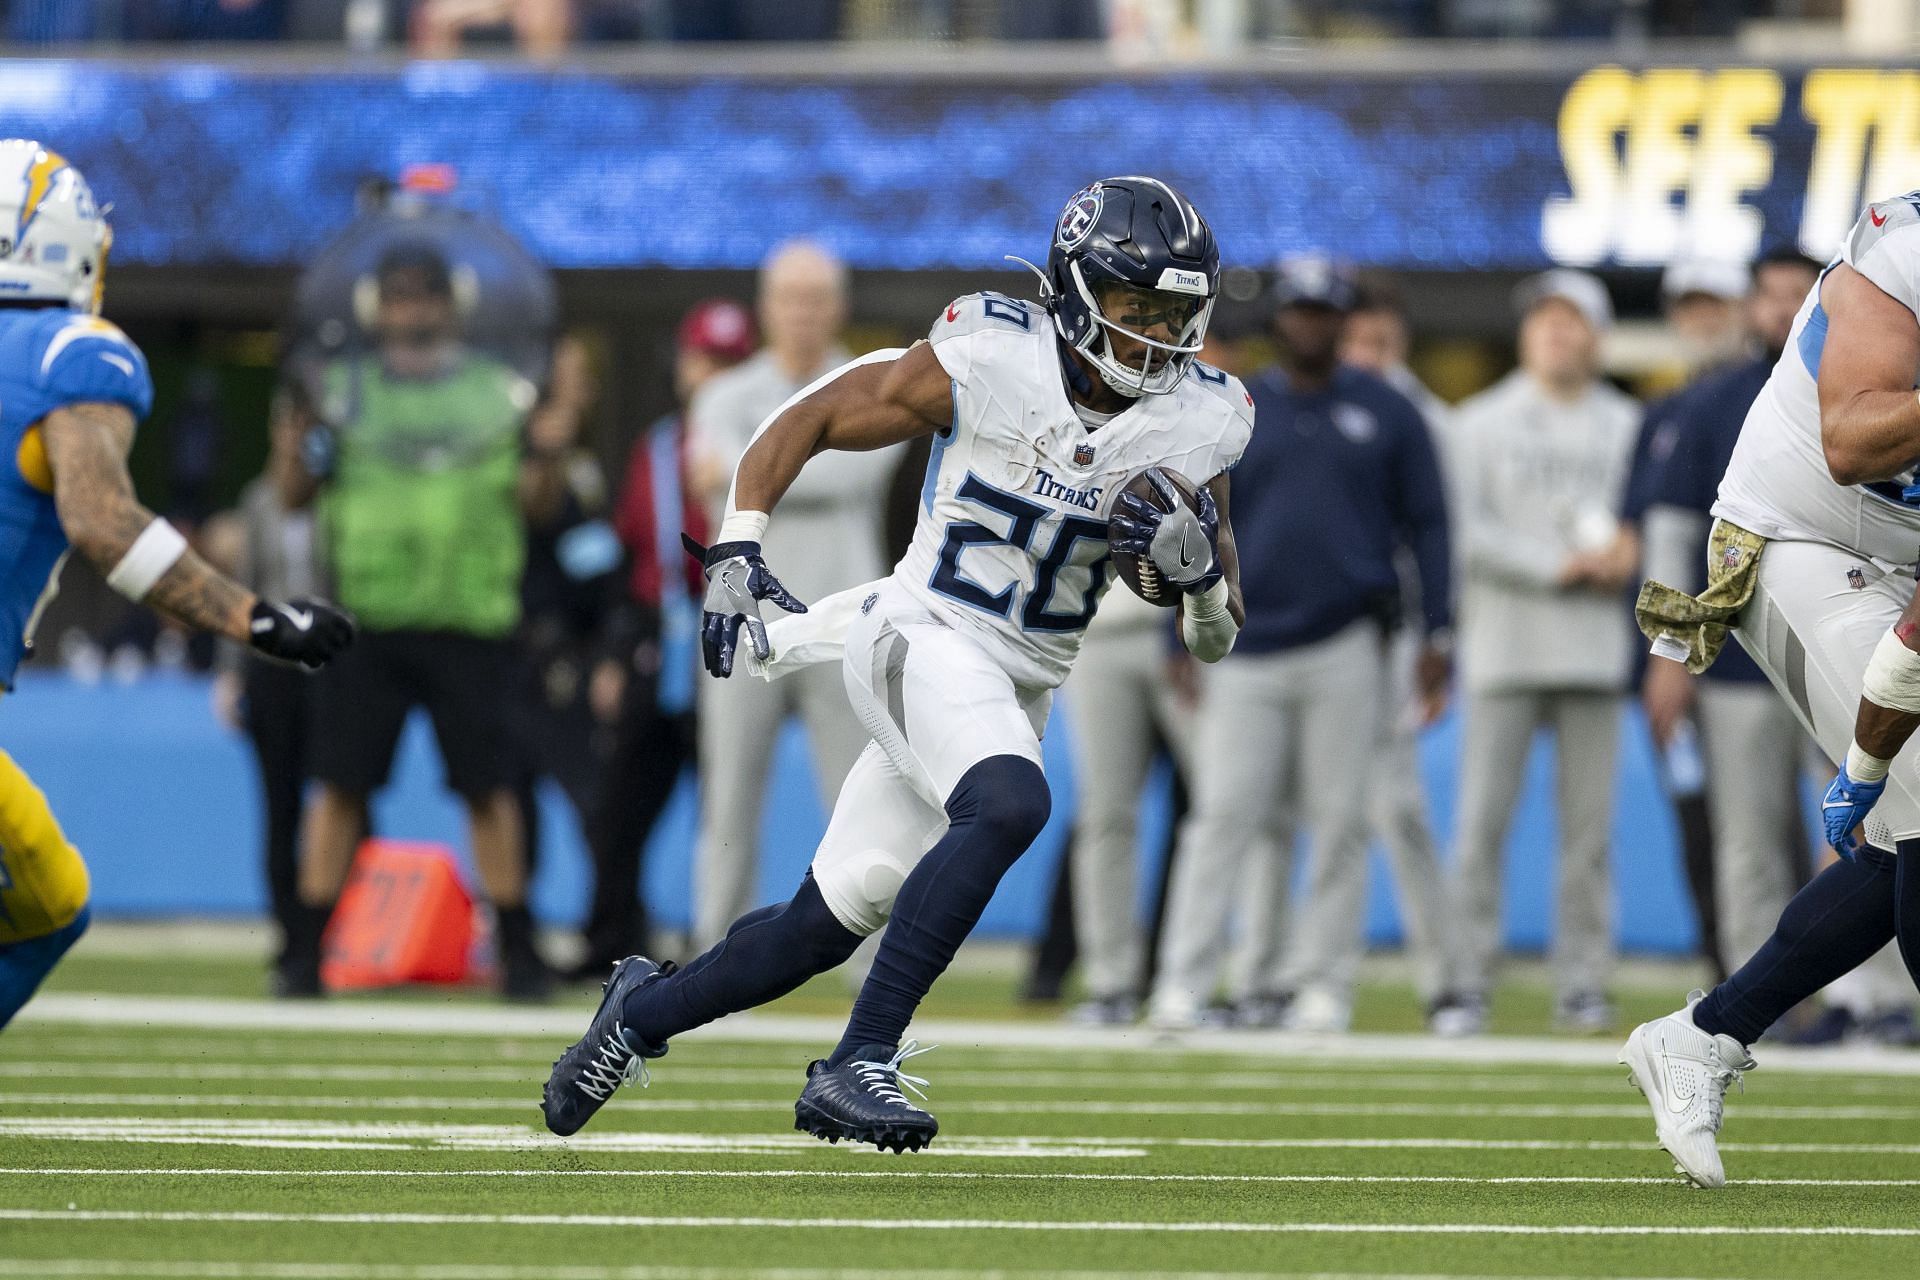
[53, 236]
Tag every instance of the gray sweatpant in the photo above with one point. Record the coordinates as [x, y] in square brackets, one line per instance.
[1397, 816]
[1119, 702]
[1278, 733]
[1498, 736]
[740, 722]
[1754, 747]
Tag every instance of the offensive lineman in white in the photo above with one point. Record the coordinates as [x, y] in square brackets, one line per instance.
[1824, 474]
[1039, 415]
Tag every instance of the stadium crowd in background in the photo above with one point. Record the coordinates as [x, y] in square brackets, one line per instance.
[546, 28]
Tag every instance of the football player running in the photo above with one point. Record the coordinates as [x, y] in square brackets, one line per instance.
[1039, 414]
[72, 389]
[1819, 521]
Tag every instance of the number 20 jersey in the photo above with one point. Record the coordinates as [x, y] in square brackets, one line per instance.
[1011, 542]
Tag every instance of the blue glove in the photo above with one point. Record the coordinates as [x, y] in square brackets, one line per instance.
[1844, 807]
[737, 581]
[1182, 544]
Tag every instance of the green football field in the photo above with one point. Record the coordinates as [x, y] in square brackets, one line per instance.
[202, 1134]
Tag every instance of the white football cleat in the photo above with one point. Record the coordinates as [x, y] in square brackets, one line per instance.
[1684, 1073]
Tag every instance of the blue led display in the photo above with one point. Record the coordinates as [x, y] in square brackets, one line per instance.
[210, 164]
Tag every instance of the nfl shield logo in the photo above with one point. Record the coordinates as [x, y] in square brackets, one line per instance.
[1077, 219]
[1856, 579]
[1083, 455]
[1730, 558]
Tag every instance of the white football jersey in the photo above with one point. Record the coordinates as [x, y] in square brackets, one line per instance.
[1777, 483]
[1011, 543]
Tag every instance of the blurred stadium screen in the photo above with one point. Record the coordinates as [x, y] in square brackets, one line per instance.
[956, 165]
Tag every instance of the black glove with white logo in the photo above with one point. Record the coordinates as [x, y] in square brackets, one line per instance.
[1182, 543]
[737, 581]
[309, 632]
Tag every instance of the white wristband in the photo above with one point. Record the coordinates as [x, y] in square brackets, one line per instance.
[1862, 767]
[1207, 626]
[1893, 676]
[157, 549]
[742, 526]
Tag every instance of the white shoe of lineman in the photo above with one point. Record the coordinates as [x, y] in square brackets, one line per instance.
[1684, 1073]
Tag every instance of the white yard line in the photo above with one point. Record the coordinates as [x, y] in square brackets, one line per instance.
[896, 1171]
[432, 1137]
[1062, 1107]
[935, 1224]
[1277, 1079]
[210, 1270]
[469, 1021]
[418, 1136]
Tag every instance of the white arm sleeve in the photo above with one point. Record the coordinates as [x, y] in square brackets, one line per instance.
[1207, 627]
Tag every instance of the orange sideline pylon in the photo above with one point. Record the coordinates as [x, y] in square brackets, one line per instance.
[405, 916]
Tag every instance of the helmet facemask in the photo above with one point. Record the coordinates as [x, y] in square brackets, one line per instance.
[1179, 310]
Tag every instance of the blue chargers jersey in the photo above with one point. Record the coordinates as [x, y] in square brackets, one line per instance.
[48, 359]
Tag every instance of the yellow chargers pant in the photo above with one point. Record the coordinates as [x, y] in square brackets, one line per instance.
[43, 882]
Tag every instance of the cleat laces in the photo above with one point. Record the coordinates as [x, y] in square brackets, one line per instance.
[613, 1065]
[1722, 1075]
[883, 1079]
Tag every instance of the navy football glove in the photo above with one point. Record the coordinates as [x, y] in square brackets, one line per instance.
[1182, 544]
[737, 581]
[1844, 807]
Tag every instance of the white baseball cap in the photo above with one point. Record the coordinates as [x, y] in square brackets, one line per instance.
[1583, 292]
[1716, 277]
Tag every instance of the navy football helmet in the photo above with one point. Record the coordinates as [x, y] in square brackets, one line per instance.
[1131, 254]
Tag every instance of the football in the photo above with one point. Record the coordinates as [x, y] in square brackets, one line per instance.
[1137, 571]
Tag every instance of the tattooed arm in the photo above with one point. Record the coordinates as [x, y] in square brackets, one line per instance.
[87, 448]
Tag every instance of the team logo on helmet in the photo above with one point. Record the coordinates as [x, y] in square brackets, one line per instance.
[1078, 218]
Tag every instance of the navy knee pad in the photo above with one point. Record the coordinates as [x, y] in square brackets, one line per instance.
[1006, 798]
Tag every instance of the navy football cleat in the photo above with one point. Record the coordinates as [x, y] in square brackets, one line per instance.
[606, 1057]
[861, 1100]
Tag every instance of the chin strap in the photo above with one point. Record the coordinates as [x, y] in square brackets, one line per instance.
[1077, 380]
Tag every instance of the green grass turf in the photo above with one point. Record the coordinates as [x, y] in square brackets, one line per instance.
[976, 990]
[417, 1125]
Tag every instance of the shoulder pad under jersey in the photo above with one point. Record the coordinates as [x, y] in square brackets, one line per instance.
[1235, 425]
[981, 312]
[1883, 248]
[87, 358]
[1227, 387]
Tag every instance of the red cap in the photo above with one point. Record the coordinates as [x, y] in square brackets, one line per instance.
[719, 327]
